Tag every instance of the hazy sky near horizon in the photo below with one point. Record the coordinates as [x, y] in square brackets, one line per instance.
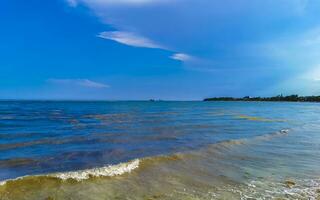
[162, 49]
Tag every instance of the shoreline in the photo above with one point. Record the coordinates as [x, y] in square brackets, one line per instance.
[261, 101]
[279, 98]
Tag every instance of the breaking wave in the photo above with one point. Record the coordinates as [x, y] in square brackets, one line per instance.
[112, 170]
[127, 167]
[107, 171]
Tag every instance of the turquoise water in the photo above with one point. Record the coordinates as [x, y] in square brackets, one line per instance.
[210, 150]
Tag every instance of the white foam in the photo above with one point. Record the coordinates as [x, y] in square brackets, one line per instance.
[5, 181]
[111, 170]
[303, 189]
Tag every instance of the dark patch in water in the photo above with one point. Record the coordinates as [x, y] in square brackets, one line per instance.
[16, 162]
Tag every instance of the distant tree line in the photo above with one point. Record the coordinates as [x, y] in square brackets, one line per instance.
[291, 98]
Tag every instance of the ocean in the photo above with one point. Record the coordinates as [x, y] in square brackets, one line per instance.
[52, 150]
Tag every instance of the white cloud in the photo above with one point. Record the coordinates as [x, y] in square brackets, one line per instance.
[79, 82]
[130, 39]
[111, 2]
[181, 57]
[135, 40]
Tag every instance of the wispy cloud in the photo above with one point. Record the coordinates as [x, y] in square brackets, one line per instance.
[112, 2]
[79, 82]
[130, 39]
[181, 57]
[135, 40]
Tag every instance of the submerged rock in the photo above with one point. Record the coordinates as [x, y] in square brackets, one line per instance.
[290, 183]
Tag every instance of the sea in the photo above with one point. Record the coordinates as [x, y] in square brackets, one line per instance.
[150, 150]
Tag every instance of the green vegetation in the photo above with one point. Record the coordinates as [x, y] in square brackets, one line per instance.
[291, 98]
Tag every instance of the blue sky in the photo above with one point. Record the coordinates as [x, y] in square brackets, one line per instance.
[162, 49]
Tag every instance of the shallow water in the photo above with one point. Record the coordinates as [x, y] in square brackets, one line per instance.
[159, 150]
